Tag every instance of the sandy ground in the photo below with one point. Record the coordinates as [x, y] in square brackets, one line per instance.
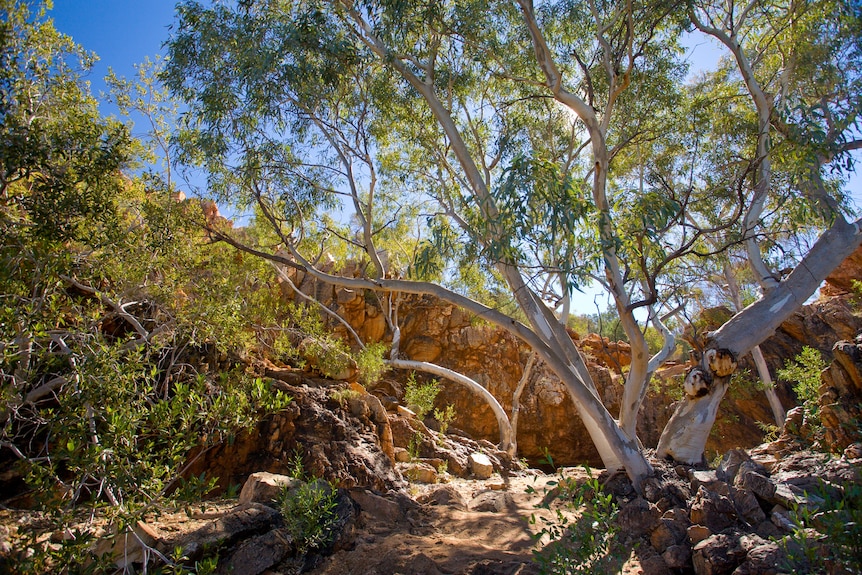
[491, 536]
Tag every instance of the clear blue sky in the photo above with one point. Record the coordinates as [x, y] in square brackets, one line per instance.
[121, 32]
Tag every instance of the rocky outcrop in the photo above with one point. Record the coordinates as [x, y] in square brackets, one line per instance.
[840, 401]
[613, 354]
[348, 443]
[748, 516]
[548, 423]
[835, 424]
[841, 281]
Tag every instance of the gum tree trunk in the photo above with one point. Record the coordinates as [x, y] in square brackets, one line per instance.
[684, 438]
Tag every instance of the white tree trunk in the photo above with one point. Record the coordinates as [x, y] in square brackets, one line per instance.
[756, 354]
[684, 437]
[768, 386]
[471, 384]
[516, 401]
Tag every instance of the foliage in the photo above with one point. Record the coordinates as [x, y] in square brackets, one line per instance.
[309, 514]
[124, 333]
[744, 384]
[329, 354]
[370, 363]
[60, 161]
[420, 396]
[856, 287]
[803, 372]
[342, 396]
[836, 545]
[444, 417]
[415, 445]
[309, 508]
[770, 431]
[581, 535]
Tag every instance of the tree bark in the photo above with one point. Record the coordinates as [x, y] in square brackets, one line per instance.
[756, 354]
[471, 384]
[684, 438]
[516, 401]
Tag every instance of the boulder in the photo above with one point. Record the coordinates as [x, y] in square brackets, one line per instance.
[264, 487]
[748, 506]
[697, 533]
[241, 522]
[750, 479]
[492, 502]
[382, 510]
[638, 517]
[715, 512]
[257, 554]
[764, 559]
[613, 354]
[677, 556]
[481, 466]
[444, 495]
[654, 565]
[419, 472]
[730, 464]
[668, 533]
[717, 555]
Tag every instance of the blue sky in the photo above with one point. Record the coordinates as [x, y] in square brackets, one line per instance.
[121, 32]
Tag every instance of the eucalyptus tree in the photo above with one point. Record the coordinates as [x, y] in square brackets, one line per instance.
[549, 144]
[798, 64]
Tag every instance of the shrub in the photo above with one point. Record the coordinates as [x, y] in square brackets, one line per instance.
[445, 417]
[586, 544]
[309, 514]
[837, 546]
[370, 363]
[803, 372]
[420, 396]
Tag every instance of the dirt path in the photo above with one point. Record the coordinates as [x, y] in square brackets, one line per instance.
[464, 526]
[459, 527]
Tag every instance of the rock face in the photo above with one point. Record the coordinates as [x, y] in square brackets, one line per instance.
[613, 354]
[840, 281]
[840, 399]
[335, 442]
[434, 331]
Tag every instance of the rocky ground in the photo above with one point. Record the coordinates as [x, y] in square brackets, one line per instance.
[411, 500]
[768, 511]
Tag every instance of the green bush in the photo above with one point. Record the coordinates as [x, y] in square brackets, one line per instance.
[370, 363]
[420, 396]
[803, 373]
[837, 547]
[581, 537]
[309, 514]
[444, 417]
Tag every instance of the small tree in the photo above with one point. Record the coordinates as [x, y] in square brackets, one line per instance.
[804, 373]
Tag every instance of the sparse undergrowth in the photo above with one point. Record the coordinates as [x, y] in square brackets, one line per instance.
[582, 534]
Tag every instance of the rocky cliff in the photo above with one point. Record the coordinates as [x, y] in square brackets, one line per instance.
[434, 331]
